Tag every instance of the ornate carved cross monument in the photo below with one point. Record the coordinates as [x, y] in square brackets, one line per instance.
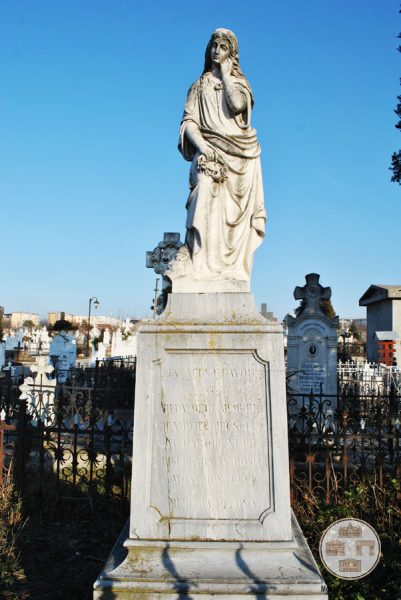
[210, 507]
[311, 294]
[312, 343]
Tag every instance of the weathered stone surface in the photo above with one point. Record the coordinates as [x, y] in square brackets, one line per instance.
[210, 508]
[208, 414]
[225, 208]
[229, 570]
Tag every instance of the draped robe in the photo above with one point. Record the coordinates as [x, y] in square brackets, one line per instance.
[226, 218]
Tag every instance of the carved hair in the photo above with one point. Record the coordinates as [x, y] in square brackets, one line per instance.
[232, 41]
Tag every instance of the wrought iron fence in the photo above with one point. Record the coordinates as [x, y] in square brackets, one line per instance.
[75, 444]
[80, 432]
[77, 433]
[9, 394]
[337, 441]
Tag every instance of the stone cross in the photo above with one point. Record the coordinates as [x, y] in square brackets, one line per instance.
[311, 294]
[165, 251]
[160, 260]
[39, 392]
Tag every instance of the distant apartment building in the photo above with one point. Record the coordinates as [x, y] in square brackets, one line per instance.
[18, 319]
[97, 320]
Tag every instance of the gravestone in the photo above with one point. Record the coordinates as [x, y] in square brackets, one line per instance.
[39, 392]
[14, 341]
[267, 314]
[123, 344]
[159, 259]
[98, 352]
[63, 354]
[210, 506]
[106, 337]
[312, 341]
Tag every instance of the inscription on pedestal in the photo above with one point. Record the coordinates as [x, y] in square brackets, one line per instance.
[216, 432]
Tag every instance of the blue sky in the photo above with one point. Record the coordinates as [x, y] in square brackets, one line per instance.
[91, 97]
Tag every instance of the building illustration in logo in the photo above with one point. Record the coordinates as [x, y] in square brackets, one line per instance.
[350, 565]
[350, 531]
[335, 548]
[365, 544]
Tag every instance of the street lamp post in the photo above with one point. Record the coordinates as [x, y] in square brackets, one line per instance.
[96, 304]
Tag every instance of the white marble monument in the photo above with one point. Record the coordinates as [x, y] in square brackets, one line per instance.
[106, 338]
[312, 341]
[63, 354]
[210, 507]
[123, 344]
[98, 352]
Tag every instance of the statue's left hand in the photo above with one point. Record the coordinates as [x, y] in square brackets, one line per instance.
[226, 67]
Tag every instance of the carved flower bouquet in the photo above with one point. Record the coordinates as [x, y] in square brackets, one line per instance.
[216, 170]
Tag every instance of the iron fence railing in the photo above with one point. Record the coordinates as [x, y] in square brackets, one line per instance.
[337, 441]
[80, 433]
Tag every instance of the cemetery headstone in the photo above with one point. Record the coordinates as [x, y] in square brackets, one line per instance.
[159, 260]
[39, 392]
[98, 352]
[123, 343]
[63, 354]
[106, 337]
[210, 507]
[312, 341]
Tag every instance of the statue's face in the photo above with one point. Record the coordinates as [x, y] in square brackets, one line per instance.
[219, 51]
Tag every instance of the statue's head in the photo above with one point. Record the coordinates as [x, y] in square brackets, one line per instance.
[232, 42]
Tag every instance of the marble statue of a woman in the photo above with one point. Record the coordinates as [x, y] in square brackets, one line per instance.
[225, 211]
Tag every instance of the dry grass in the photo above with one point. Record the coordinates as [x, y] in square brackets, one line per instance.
[12, 523]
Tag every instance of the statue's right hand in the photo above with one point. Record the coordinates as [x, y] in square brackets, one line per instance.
[208, 152]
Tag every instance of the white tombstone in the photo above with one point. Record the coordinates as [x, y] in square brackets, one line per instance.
[94, 332]
[123, 343]
[63, 353]
[98, 352]
[106, 337]
[39, 392]
[312, 342]
[116, 341]
[14, 340]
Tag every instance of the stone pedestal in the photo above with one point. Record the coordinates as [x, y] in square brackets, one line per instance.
[210, 508]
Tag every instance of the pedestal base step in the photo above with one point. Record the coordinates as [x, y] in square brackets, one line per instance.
[168, 570]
